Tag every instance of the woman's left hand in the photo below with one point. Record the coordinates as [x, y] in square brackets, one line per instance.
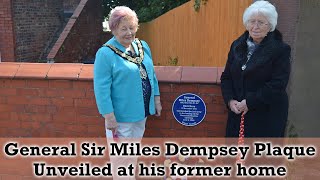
[158, 106]
[158, 109]
[242, 106]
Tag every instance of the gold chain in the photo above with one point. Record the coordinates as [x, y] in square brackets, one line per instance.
[137, 60]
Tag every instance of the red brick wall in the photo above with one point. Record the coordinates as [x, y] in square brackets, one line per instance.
[35, 24]
[42, 100]
[57, 100]
[7, 44]
[81, 37]
[48, 108]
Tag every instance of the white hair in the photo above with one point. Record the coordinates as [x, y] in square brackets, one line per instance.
[262, 7]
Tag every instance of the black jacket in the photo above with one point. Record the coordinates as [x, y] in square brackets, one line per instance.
[263, 84]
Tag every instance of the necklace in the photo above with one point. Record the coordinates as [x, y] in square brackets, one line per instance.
[143, 73]
[243, 67]
[137, 59]
[251, 48]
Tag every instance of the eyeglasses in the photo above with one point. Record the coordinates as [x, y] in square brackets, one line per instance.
[259, 23]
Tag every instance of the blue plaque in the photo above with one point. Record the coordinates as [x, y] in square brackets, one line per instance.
[189, 109]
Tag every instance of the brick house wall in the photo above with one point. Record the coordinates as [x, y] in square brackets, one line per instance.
[81, 37]
[70, 5]
[57, 100]
[7, 36]
[29, 27]
[35, 23]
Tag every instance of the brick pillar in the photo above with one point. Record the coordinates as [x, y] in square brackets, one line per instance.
[304, 89]
[7, 42]
[288, 13]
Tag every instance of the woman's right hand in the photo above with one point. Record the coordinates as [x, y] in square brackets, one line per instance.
[233, 106]
[110, 121]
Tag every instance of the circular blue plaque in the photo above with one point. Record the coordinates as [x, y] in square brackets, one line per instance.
[189, 109]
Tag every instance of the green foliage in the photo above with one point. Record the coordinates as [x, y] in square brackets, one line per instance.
[292, 131]
[197, 4]
[62, 48]
[146, 10]
[173, 61]
[40, 61]
[110, 4]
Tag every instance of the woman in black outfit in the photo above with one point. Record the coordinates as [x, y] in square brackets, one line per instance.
[256, 76]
